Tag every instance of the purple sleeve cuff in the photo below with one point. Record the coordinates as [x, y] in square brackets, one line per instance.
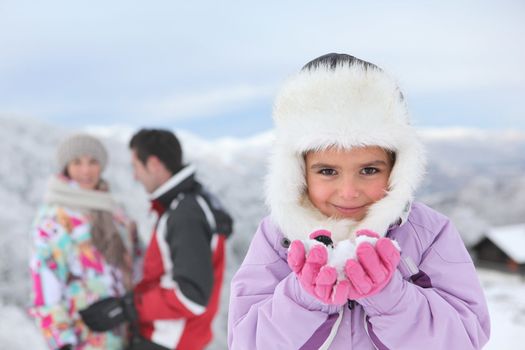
[384, 301]
[305, 299]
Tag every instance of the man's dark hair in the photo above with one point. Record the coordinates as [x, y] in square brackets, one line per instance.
[160, 143]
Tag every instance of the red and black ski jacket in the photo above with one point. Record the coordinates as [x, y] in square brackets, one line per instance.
[179, 294]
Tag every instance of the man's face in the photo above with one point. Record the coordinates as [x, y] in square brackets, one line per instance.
[144, 173]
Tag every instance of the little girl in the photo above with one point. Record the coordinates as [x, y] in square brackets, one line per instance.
[347, 260]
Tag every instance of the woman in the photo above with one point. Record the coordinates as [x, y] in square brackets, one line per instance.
[85, 248]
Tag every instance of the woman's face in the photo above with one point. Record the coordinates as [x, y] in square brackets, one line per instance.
[345, 183]
[85, 170]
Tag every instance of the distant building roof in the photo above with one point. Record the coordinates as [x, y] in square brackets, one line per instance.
[510, 239]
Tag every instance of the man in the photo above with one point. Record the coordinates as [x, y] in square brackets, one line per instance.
[178, 296]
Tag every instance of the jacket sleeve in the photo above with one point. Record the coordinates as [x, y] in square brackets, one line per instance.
[451, 314]
[266, 300]
[49, 274]
[185, 288]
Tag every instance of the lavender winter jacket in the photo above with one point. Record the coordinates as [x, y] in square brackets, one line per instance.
[434, 300]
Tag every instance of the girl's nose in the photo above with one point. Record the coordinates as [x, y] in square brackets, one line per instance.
[349, 189]
[86, 169]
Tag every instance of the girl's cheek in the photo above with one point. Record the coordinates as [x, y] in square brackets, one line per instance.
[379, 192]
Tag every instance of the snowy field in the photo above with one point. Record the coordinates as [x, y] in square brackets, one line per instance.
[505, 294]
[468, 173]
[506, 300]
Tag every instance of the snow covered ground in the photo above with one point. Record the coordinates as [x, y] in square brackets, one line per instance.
[506, 300]
[466, 176]
[505, 294]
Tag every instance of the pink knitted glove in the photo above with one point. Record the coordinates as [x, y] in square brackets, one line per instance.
[373, 267]
[313, 273]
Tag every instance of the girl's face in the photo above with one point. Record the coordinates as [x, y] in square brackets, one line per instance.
[85, 170]
[345, 183]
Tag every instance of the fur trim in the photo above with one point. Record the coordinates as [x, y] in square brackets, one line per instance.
[347, 107]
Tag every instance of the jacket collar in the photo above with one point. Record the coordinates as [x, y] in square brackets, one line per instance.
[182, 181]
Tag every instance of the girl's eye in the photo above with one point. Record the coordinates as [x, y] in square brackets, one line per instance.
[369, 171]
[327, 172]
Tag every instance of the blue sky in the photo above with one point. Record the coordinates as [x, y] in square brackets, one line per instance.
[213, 68]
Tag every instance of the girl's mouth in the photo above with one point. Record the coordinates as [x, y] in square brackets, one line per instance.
[349, 210]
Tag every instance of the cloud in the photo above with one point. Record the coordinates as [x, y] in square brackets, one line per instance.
[131, 60]
[201, 104]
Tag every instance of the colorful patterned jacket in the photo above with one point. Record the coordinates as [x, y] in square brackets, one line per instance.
[69, 273]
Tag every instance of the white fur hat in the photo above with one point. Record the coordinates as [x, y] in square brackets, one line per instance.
[339, 100]
[80, 145]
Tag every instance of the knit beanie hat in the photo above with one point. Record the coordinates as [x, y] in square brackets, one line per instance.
[80, 145]
[340, 101]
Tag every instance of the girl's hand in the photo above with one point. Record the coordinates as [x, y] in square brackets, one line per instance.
[373, 266]
[314, 274]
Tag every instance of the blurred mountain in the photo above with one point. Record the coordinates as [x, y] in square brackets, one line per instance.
[475, 177]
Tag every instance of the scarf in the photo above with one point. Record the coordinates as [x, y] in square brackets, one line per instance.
[98, 205]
